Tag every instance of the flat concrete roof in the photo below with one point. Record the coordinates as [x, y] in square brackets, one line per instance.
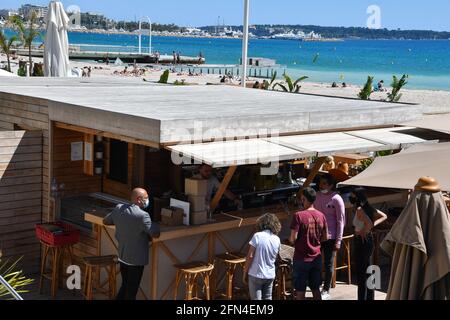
[166, 113]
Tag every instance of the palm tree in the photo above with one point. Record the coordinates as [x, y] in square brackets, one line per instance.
[268, 84]
[397, 85]
[292, 86]
[27, 36]
[5, 46]
[367, 90]
[14, 277]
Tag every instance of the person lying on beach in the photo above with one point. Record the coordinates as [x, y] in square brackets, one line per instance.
[87, 72]
[380, 86]
[135, 71]
[124, 72]
[334, 85]
[256, 85]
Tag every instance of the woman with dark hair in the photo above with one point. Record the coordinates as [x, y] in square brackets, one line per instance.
[365, 219]
[259, 270]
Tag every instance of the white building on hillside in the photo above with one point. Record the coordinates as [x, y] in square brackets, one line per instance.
[26, 10]
[5, 14]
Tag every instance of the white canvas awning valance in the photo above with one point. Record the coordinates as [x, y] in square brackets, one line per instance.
[265, 150]
[237, 152]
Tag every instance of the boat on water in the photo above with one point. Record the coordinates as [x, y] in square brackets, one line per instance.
[302, 36]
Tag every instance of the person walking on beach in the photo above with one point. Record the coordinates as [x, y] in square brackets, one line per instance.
[331, 204]
[174, 55]
[178, 57]
[134, 232]
[308, 231]
[365, 219]
[259, 270]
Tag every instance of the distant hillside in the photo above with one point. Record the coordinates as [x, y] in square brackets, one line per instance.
[343, 32]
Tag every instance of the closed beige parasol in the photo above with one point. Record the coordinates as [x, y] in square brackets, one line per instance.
[419, 244]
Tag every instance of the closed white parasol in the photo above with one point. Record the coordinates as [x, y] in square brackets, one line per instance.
[56, 51]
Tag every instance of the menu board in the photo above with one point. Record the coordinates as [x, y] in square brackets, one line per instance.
[182, 205]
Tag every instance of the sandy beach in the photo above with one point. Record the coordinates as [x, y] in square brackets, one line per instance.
[437, 101]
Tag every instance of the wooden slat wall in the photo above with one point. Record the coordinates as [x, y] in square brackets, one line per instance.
[26, 113]
[67, 172]
[29, 114]
[21, 182]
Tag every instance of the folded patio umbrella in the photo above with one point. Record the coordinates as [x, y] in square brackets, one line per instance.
[56, 50]
[439, 122]
[419, 243]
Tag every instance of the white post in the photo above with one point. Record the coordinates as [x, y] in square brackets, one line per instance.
[150, 35]
[140, 36]
[245, 42]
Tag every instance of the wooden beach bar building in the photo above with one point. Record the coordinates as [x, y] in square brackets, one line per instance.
[72, 149]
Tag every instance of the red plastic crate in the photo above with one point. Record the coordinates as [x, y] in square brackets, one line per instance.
[69, 236]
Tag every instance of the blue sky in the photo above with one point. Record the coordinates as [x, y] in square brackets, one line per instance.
[404, 14]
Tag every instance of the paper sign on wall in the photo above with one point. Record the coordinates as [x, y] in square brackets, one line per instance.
[76, 151]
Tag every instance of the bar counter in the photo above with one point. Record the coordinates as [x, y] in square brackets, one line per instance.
[229, 232]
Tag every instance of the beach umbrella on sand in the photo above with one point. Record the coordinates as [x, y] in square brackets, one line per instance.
[56, 51]
[419, 244]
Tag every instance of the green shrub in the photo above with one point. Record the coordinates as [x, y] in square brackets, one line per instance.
[367, 90]
[22, 72]
[397, 85]
[164, 77]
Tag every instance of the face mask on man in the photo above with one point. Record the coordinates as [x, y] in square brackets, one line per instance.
[324, 191]
[146, 203]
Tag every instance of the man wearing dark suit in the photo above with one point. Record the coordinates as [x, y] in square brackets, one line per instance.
[134, 231]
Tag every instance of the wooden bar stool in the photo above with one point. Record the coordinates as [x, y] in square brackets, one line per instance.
[191, 272]
[283, 275]
[231, 261]
[284, 270]
[56, 253]
[346, 260]
[95, 264]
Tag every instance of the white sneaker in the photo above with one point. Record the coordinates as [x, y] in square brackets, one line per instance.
[326, 295]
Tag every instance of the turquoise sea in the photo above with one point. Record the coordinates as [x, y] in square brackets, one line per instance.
[427, 62]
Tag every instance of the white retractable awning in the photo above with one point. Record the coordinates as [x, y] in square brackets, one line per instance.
[237, 152]
[265, 150]
[324, 144]
[395, 138]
